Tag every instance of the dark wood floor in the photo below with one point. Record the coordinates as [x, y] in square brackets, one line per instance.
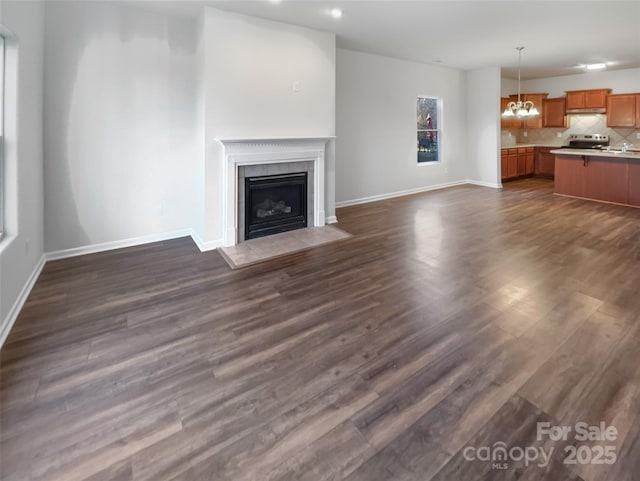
[451, 319]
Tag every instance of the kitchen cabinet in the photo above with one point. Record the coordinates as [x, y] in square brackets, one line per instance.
[569, 175]
[535, 122]
[504, 163]
[522, 161]
[599, 177]
[607, 179]
[509, 122]
[553, 113]
[525, 161]
[516, 123]
[530, 163]
[516, 162]
[512, 164]
[587, 99]
[545, 162]
[634, 183]
[504, 121]
[622, 110]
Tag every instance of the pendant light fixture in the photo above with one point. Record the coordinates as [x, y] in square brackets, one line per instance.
[520, 109]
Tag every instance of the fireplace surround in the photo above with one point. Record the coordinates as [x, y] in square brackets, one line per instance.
[272, 157]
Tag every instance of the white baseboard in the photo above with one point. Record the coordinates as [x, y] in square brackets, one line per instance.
[484, 184]
[332, 219]
[10, 320]
[107, 246]
[373, 198]
[205, 246]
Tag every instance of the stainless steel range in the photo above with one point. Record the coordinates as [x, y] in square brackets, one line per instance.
[587, 141]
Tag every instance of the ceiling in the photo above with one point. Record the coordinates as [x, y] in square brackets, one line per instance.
[557, 35]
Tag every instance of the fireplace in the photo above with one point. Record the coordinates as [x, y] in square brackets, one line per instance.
[269, 157]
[275, 203]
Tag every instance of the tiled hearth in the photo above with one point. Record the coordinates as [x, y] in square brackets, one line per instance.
[271, 247]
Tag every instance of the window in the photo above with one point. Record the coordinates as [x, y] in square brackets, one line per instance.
[2, 189]
[428, 110]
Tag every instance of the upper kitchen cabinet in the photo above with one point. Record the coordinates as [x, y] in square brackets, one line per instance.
[509, 122]
[515, 122]
[538, 100]
[582, 101]
[553, 113]
[623, 110]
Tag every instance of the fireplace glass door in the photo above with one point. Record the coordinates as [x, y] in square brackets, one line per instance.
[275, 203]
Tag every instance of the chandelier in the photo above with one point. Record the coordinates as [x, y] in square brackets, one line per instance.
[520, 109]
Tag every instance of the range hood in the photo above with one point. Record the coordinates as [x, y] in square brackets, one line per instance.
[600, 110]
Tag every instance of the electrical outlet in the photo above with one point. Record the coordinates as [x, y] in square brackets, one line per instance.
[638, 135]
[525, 133]
[296, 86]
[559, 134]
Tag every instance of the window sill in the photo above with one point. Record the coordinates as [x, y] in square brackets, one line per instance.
[5, 242]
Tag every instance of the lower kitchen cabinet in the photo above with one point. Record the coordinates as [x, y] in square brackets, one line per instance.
[544, 162]
[570, 176]
[609, 179]
[634, 183]
[504, 164]
[516, 162]
[522, 162]
[529, 161]
[512, 164]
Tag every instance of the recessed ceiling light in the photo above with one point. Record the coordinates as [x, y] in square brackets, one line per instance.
[335, 12]
[596, 66]
[275, 1]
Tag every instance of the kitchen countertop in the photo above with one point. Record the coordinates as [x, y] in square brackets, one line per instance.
[635, 155]
[518, 146]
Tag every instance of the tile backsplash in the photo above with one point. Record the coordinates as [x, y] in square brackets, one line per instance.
[577, 124]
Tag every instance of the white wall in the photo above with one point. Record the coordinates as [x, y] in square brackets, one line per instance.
[119, 118]
[21, 251]
[200, 145]
[508, 87]
[483, 125]
[376, 125]
[619, 81]
[250, 67]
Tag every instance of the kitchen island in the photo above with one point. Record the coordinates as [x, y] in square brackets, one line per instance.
[598, 175]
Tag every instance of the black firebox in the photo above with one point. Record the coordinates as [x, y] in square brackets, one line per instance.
[275, 203]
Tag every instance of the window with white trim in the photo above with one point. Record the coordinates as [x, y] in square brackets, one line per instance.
[428, 112]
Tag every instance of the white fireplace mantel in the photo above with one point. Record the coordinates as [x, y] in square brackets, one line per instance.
[239, 152]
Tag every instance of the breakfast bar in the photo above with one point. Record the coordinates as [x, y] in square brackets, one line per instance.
[602, 175]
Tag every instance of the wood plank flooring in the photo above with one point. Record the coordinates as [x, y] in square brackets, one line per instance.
[450, 319]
